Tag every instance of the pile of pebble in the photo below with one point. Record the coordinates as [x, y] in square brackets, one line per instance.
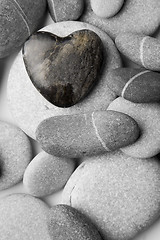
[86, 89]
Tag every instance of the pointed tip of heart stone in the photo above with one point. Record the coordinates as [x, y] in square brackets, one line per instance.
[64, 70]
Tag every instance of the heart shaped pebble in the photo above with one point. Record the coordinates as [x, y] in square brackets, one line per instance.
[63, 69]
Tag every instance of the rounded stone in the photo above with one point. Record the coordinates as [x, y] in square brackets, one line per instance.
[25, 102]
[15, 154]
[65, 223]
[141, 49]
[135, 85]
[118, 193]
[47, 174]
[106, 8]
[136, 16]
[23, 217]
[147, 116]
[87, 134]
[18, 20]
[65, 10]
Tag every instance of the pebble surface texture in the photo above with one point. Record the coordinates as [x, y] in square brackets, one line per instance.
[47, 174]
[23, 217]
[147, 116]
[66, 223]
[135, 85]
[86, 134]
[106, 8]
[17, 22]
[26, 102]
[65, 10]
[141, 49]
[15, 154]
[64, 69]
[120, 194]
[139, 16]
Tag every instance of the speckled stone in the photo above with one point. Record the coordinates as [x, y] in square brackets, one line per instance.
[64, 69]
[120, 194]
[47, 174]
[147, 116]
[25, 102]
[136, 16]
[135, 85]
[23, 217]
[65, 10]
[15, 154]
[87, 134]
[141, 49]
[106, 8]
[66, 223]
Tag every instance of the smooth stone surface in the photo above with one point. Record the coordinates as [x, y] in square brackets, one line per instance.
[120, 194]
[64, 70]
[25, 102]
[47, 174]
[15, 154]
[23, 217]
[147, 116]
[106, 8]
[18, 20]
[137, 16]
[135, 85]
[65, 10]
[86, 134]
[66, 223]
[141, 49]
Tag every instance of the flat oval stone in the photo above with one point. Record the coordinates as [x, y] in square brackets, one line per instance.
[23, 217]
[47, 174]
[91, 133]
[118, 193]
[141, 49]
[15, 154]
[26, 102]
[65, 223]
[106, 8]
[147, 116]
[65, 10]
[63, 69]
[135, 85]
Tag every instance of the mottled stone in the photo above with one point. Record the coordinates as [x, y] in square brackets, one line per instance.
[147, 116]
[118, 193]
[64, 69]
[15, 154]
[88, 134]
[66, 223]
[47, 174]
[23, 217]
[18, 20]
[141, 49]
[135, 85]
[25, 102]
[65, 10]
[106, 8]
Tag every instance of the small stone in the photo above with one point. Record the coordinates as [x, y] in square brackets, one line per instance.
[65, 10]
[147, 116]
[141, 49]
[88, 134]
[118, 193]
[66, 223]
[63, 69]
[135, 85]
[106, 8]
[15, 154]
[47, 174]
[23, 217]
